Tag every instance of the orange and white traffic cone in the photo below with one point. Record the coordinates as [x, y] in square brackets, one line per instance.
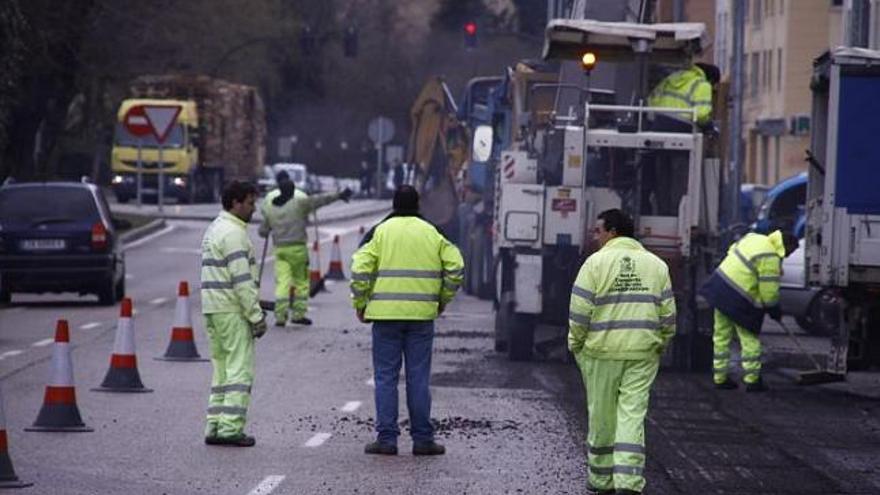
[123, 374]
[316, 281]
[334, 272]
[8, 479]
[59, 411]
[182, 346]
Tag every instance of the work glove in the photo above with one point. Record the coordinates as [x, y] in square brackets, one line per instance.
[259, 328]
[775, 313]
[345, 195]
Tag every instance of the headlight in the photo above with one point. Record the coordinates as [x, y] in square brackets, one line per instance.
[117, 179]
[179, 181]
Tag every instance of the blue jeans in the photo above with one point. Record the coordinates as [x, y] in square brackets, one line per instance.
[412, 341]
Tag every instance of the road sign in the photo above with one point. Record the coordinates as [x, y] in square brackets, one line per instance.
[135, 121]
[161, 118]
[380, 130]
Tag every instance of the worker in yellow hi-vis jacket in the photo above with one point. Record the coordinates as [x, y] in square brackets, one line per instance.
[621, 318]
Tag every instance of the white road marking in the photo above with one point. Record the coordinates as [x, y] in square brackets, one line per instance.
[267, 485]
[351, 406]
[159, 300]
[318, 439]
[148, 238]
[185, 250]
[42, 343]
[16, 352]
[89, 326]
[371, 382]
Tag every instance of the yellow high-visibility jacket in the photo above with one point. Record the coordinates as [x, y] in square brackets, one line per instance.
[229, 269]
[686, 88]
[288, 222]
[622, 305]
[746, 284]
[404, 270]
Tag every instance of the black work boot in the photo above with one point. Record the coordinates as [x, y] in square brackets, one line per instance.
[241, 440]
[301, 321]
[727, 384]
[428, 448]
[380, 448]
[280, 324]
[627, 492]
[758, 386]
[596, 491]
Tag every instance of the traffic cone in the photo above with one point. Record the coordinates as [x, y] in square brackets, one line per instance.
[182, 346]
[123, 374]
[59, 411]
[334, 272]
[316, 281]
[8, 479]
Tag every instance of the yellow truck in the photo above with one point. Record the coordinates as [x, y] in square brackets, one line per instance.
[218, 135]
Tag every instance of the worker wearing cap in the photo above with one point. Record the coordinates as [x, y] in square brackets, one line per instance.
[285, 213]
[742, 289]
[402, 277]
[689, 88]
[621, 318]
[233, 318]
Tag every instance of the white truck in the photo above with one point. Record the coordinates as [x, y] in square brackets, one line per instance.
[843, 205]
[611, 156]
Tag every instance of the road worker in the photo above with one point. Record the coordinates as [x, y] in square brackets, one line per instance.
[742, 289]
[402, 277]
[285, 212]
[689, 88]
[621, 318]
[233, 318]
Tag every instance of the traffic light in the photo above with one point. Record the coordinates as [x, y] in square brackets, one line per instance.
[350, 42]
[307, 41]
[470, 34]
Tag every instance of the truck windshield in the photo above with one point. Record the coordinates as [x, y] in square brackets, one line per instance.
[124, 138]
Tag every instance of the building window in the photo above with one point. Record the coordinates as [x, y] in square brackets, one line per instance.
[768, 78]
[781, 7]
[757, 13]
[769, 8]
[754, 75]
[836, 3]
[779, 69]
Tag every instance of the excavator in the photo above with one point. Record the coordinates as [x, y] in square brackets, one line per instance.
[439, 144]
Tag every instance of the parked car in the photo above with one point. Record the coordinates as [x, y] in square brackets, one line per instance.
[298, 173]
[59, 237]
[783, 206]
[795, 297]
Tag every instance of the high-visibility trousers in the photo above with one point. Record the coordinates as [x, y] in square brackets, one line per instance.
[617, 402]
[232, 354]
[291, 270]
[749, 344]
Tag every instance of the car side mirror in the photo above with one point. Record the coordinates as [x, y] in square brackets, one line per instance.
[482, 145]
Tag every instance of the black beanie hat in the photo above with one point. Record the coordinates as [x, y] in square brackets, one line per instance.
[406, 199]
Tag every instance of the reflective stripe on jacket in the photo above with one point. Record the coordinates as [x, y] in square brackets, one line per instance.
[622, 305]
[229, 269]
[405, 271]
[746, 283]
[288, 221]
[685, 89]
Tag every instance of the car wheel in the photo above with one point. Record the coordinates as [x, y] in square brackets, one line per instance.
[107, 292]
[120, 288]
[122, 199]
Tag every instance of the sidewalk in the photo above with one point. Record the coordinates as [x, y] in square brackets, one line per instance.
[334, 212]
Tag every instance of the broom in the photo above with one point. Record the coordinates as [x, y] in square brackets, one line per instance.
[813, 377]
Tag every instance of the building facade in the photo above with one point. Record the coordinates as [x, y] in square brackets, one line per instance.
[782, 38]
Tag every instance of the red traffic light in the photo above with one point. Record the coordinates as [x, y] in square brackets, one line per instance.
[470, 28]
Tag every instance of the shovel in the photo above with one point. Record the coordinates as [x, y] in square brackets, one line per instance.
[813, 377]
[264, 305]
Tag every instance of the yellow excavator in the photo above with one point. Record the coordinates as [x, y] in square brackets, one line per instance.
[438, 147]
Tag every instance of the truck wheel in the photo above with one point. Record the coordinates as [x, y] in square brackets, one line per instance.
[5, 295]
[122, 199]
[521, 331]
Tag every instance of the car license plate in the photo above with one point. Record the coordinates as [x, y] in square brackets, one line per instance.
[43, 244]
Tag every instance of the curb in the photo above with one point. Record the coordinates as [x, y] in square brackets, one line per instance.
[142, 231]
